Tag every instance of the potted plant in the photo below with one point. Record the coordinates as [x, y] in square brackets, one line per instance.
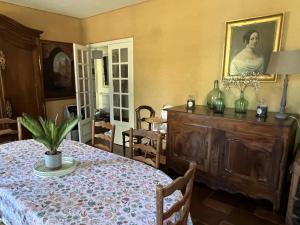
[49, 134]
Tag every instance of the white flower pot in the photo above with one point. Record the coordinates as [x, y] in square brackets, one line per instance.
[53, 162]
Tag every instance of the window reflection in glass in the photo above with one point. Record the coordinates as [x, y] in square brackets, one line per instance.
[115, 55]
[124, 55]
[116, 86]
[124, 71]
[116, 114]
[116, 100]
[125, 102]
[124, 86]
[115, 69]
[125, 115]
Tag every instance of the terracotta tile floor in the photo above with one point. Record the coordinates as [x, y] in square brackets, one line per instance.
[221, 208]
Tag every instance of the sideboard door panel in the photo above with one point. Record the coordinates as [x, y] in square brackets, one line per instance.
[259, 156]
[191, 143]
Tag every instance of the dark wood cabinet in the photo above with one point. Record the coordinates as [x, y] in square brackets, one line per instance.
[186, 139]
[233, 152]
[22, 79]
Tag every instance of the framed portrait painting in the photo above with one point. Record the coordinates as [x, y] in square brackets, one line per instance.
[249, 44]
[58, 70]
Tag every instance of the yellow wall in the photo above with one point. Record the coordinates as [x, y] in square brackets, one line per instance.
[178, 47]
[56, 28]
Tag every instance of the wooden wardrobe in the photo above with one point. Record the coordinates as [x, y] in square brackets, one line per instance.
[21, 85]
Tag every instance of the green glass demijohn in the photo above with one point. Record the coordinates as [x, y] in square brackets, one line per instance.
[219, 104]
[214, 94]
[241, 104]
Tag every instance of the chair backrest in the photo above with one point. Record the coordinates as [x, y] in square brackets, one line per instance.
[150, 152]
[183, 205]
[105, 133]
[139, 111]
[10, 127]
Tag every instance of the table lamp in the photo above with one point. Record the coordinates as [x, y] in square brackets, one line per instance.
[284, 63]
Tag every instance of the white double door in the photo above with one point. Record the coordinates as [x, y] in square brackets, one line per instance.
[121, 87]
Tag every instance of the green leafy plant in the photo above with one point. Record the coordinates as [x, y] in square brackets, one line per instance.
[47, 132]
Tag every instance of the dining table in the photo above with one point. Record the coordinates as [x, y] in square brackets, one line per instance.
[104, 189]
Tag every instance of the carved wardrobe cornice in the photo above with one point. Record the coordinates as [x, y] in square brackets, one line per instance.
[18, 34]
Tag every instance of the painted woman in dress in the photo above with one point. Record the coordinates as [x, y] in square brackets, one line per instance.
[248, 61]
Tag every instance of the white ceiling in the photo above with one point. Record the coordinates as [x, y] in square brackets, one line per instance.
[75, 8]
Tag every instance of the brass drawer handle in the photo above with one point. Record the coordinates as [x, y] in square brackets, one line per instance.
[262, 179]
[228, 170]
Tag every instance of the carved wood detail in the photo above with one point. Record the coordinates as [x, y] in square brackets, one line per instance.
[233, 152]
[17, 34]
[22, 79]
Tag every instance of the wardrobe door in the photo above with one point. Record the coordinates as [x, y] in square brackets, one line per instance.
[22, 74]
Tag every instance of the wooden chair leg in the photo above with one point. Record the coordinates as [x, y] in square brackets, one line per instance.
[124, 143]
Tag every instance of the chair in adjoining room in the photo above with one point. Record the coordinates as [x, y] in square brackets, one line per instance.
[104, 133]
[10, 130]
[140, 117]
[146, 152]
[182, 206]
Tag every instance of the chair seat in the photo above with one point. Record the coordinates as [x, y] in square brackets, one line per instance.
[151, 161]
[8, 131]
[126, 132]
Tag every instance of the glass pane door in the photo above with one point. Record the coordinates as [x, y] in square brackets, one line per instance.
[121, 84]
[84, 91]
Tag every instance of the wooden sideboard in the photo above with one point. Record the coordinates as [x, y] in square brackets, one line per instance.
[293, 213]
[233, 152]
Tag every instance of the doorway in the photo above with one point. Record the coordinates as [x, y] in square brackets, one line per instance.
[110, 85]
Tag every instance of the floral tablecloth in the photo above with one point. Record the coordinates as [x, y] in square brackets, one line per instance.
[104, 189]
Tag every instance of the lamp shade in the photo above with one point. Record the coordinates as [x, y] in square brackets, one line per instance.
[284, 62]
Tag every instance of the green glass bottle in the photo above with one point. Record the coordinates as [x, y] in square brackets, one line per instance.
[219, 104]
[241, 104]
[213, 95]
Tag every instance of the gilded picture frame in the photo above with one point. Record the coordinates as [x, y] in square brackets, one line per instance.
[249, 44]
